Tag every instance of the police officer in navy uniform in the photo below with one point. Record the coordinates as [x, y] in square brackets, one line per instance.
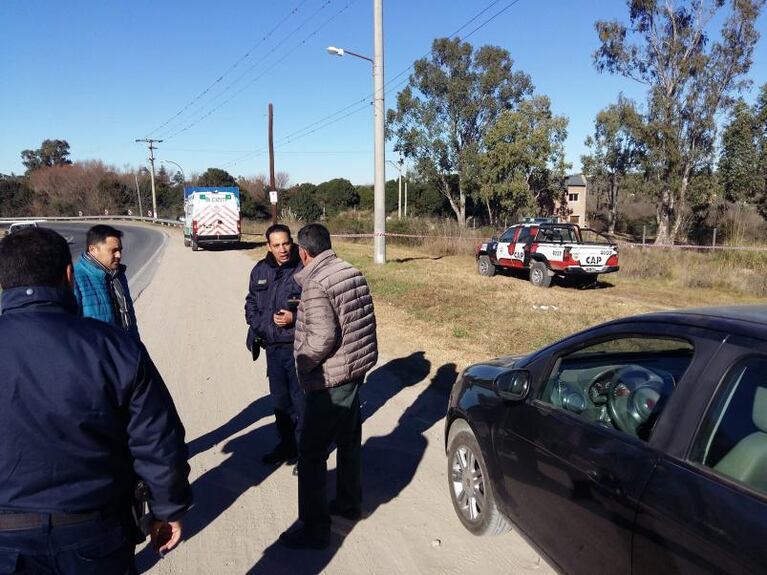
[83, 415]
[270, 310]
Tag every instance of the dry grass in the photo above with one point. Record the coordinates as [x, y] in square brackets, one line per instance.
[737, 272]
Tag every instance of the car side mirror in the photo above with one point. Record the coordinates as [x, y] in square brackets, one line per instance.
[494, 238]
[513, 385]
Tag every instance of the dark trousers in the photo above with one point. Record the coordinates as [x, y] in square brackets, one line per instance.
[284, 389]
[94, 547]
[331, 416]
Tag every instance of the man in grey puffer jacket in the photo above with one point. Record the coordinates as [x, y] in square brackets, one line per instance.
[335, 346]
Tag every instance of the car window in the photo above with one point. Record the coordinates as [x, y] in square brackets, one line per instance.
[557, 234]
[732, 440]
[508, 235]
[622, 383]
[524, 235]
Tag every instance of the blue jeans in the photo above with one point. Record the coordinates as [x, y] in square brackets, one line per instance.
[287, 395]
[101, 546]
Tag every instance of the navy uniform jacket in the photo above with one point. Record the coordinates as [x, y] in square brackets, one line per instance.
[271, 285]
[83, 411]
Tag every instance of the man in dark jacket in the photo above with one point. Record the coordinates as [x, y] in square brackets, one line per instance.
[83, 415]
[335, 346]
[270, 309]
[101, 287]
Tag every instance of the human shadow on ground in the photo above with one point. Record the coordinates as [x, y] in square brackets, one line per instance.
[389, 464]
[218, 488]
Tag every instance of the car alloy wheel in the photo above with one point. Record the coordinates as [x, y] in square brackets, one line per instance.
[471, 490]
[468, 484]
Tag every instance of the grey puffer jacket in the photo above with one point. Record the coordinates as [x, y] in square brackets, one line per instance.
[335, 338]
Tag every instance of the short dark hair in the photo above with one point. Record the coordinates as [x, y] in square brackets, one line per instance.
[277, 228]
[33, 257]
[98, 234]
[314, 238]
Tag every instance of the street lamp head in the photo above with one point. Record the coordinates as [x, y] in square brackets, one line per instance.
[333, 51]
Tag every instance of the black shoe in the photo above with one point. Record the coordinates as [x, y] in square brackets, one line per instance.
[279, 454]
[302, 538]
[350, 513]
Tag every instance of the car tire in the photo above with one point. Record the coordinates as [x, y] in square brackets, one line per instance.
[485, 267]
[470, 489]
[187, 242]
[539, 275]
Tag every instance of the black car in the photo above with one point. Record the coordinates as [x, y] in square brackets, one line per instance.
[637, 446]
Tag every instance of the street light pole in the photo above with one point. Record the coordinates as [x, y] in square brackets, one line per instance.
[180, 169]
[379, 154]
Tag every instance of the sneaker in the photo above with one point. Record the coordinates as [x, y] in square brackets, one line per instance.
[350, 513]
[302, 538]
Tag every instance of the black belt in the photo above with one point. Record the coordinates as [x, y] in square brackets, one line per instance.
[17, 521]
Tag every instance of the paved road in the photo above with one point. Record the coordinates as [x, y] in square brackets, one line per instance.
[141, 246]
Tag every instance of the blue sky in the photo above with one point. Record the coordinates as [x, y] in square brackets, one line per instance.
[102, 74]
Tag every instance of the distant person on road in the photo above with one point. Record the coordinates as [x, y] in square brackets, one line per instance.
[270, 310]
[101, 287]
[84, 414]
[335, 346]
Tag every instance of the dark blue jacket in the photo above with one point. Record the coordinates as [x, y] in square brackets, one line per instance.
[271, 285]
[83, 411]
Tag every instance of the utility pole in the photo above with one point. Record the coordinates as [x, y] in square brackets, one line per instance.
[151, 143]
[272, 185]
[379, 193]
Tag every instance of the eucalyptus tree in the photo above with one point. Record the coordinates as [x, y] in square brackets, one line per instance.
[453, 97]
[690, 76]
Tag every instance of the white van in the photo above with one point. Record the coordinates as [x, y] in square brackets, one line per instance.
[211, 216]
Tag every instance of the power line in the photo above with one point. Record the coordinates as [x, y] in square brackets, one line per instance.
[245, 56]
[332, 119]
[287, 53]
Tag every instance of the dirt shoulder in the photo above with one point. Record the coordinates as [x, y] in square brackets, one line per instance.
[192, 321]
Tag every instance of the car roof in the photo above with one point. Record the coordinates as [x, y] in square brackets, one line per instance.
[749, 319]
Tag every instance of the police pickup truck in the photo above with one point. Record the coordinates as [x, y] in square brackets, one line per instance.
[547, 249]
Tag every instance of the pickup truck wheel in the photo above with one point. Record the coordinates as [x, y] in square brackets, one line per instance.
[539, 275]
[485, 266]
[470, 488]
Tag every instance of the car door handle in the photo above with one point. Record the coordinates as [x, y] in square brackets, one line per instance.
[606, 479]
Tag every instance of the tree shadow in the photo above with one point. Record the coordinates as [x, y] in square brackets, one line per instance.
[389, 465]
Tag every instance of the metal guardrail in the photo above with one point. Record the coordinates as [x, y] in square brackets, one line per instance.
[41, 219]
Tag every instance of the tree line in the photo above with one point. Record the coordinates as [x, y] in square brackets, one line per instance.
[53, 185]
